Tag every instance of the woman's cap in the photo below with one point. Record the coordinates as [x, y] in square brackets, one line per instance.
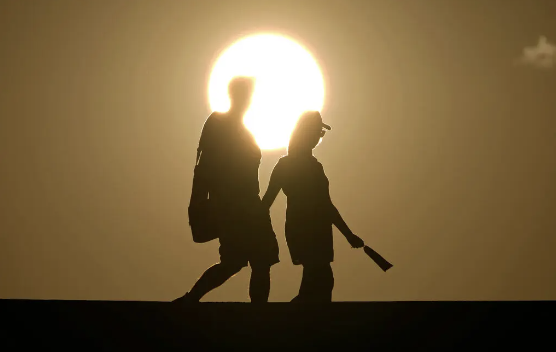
[312, 120]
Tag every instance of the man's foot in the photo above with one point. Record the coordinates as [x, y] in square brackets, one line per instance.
[185, 299]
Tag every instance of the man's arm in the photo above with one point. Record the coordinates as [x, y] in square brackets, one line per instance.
[274, 187]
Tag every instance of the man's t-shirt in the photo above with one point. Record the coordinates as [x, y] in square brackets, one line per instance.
[229, 161]
[308, 214]
[229, 170]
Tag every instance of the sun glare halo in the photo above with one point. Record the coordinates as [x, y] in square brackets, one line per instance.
[288, 82]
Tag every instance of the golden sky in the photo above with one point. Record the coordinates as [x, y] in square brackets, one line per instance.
[442, 155]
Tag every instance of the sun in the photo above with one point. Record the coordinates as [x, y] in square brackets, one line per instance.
[288, 82]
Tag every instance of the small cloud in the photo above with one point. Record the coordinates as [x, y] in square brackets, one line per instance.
[543, 55]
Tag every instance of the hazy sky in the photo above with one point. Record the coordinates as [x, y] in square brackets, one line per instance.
[442, 155]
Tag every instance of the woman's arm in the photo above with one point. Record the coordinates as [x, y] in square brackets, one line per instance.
[339, 222]
[274, 187]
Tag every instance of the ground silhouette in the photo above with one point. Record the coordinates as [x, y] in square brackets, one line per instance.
[349, 326]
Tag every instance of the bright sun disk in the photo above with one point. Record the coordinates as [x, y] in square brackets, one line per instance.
[288, 82]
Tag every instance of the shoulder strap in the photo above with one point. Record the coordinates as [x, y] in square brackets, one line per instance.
[206, 130]
[198, 155]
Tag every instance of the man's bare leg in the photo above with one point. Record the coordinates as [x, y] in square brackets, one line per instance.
[212, 278]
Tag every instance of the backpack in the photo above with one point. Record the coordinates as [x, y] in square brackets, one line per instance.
[202, 213]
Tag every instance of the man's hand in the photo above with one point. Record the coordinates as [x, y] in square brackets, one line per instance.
[355, 241]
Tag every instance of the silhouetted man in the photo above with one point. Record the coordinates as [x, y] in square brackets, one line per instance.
[229, 168]
[310, 212]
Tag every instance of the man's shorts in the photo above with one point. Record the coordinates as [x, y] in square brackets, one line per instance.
[247, 238]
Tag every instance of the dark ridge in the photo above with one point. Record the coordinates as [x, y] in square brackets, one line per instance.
[159, 326]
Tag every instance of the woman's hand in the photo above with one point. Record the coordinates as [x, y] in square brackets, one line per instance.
[355, 241]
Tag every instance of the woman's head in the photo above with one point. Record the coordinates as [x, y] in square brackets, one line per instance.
[307, 132]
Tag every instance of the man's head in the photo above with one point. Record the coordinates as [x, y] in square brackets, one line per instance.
[240, 91]
[308, 131]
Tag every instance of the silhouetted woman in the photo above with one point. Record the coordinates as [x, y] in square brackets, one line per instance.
[310, 212]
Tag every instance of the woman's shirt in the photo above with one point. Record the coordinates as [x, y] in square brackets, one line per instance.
[308, 214]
